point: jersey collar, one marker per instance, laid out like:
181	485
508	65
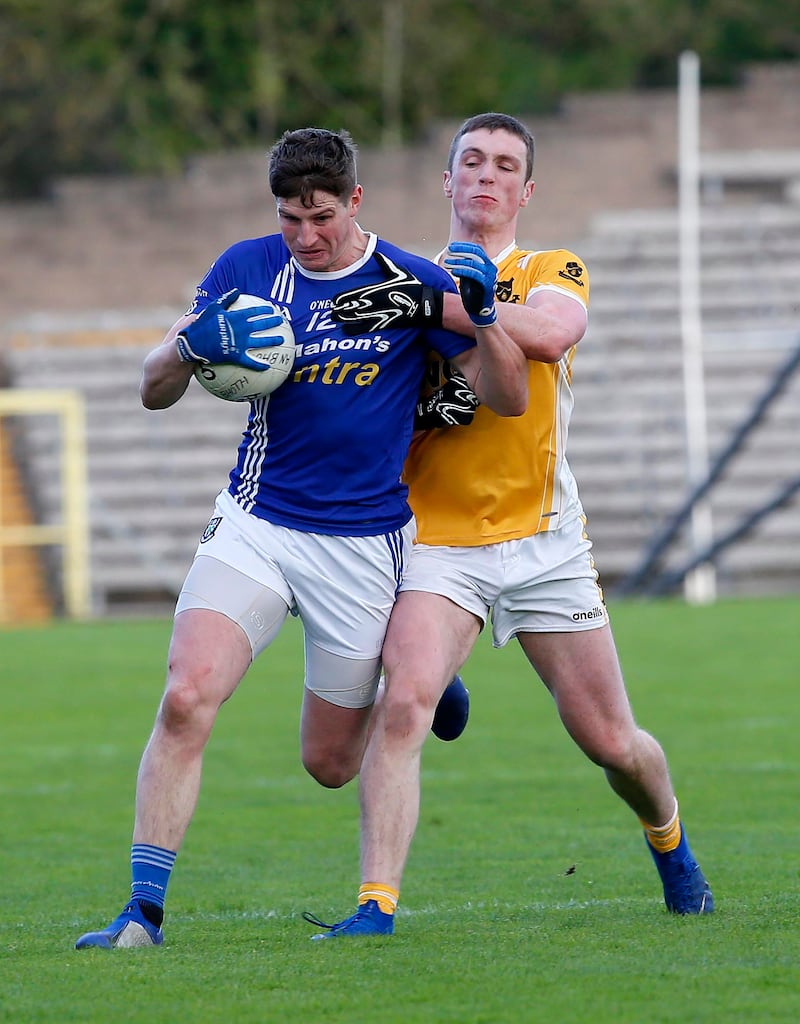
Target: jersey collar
332	275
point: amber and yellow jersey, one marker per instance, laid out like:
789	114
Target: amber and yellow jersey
502	478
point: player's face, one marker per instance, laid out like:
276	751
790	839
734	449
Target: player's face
487	185
323	236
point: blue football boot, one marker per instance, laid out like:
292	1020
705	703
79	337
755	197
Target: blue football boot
369	919
452	711
686	890
131	928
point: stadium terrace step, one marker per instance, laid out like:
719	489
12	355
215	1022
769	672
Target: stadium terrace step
626	439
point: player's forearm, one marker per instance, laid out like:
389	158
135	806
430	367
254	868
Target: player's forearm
502	381
497	371
165	376
539	334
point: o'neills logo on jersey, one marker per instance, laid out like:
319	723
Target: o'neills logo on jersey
598	612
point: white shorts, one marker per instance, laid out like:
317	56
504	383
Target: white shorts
546	583
342	589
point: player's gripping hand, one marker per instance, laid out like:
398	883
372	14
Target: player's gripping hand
477	275
451	405
399	299
223	335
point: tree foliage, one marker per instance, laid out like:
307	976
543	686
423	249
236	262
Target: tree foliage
140	85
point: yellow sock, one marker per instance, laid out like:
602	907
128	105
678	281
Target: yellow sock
384	895
664	838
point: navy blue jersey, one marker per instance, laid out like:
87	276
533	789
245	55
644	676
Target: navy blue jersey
325	451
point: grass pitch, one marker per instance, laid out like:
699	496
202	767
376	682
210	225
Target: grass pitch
529	895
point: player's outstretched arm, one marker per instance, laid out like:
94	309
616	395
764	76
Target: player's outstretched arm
544	328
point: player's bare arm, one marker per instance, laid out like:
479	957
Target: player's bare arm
165	376
496	368
544	328
496	371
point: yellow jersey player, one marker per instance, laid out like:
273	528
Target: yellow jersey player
453	474
501	532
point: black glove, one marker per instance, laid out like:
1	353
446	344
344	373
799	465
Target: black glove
400	299
451	405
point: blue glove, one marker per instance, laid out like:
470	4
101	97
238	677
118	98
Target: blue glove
223	335
476	277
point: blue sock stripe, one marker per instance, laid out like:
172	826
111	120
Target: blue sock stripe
151	867
156	856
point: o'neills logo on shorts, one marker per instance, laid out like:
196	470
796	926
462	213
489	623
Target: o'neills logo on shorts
211	529
598	612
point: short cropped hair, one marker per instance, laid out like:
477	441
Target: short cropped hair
492	121
307	159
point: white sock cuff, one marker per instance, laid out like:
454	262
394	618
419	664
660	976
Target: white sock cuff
670	824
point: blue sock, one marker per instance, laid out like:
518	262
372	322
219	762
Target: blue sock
151	867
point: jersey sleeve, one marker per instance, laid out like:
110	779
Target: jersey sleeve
562	271
229	270
213	285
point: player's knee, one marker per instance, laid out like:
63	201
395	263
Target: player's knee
187	702
408	709
179	710
615	752
331	768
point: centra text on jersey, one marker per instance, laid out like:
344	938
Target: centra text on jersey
335	371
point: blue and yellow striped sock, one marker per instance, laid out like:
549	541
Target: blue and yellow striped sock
664	838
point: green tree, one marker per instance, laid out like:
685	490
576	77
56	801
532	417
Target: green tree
140	85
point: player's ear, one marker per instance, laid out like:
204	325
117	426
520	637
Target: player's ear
527	192
448	191
355	200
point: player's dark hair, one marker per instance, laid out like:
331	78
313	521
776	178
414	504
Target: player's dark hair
492	121
309	159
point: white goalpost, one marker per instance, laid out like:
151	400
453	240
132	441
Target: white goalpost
700	584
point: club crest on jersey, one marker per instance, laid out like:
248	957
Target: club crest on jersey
572	272
504	290
211	529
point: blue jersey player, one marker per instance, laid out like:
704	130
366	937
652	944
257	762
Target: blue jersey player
314	520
